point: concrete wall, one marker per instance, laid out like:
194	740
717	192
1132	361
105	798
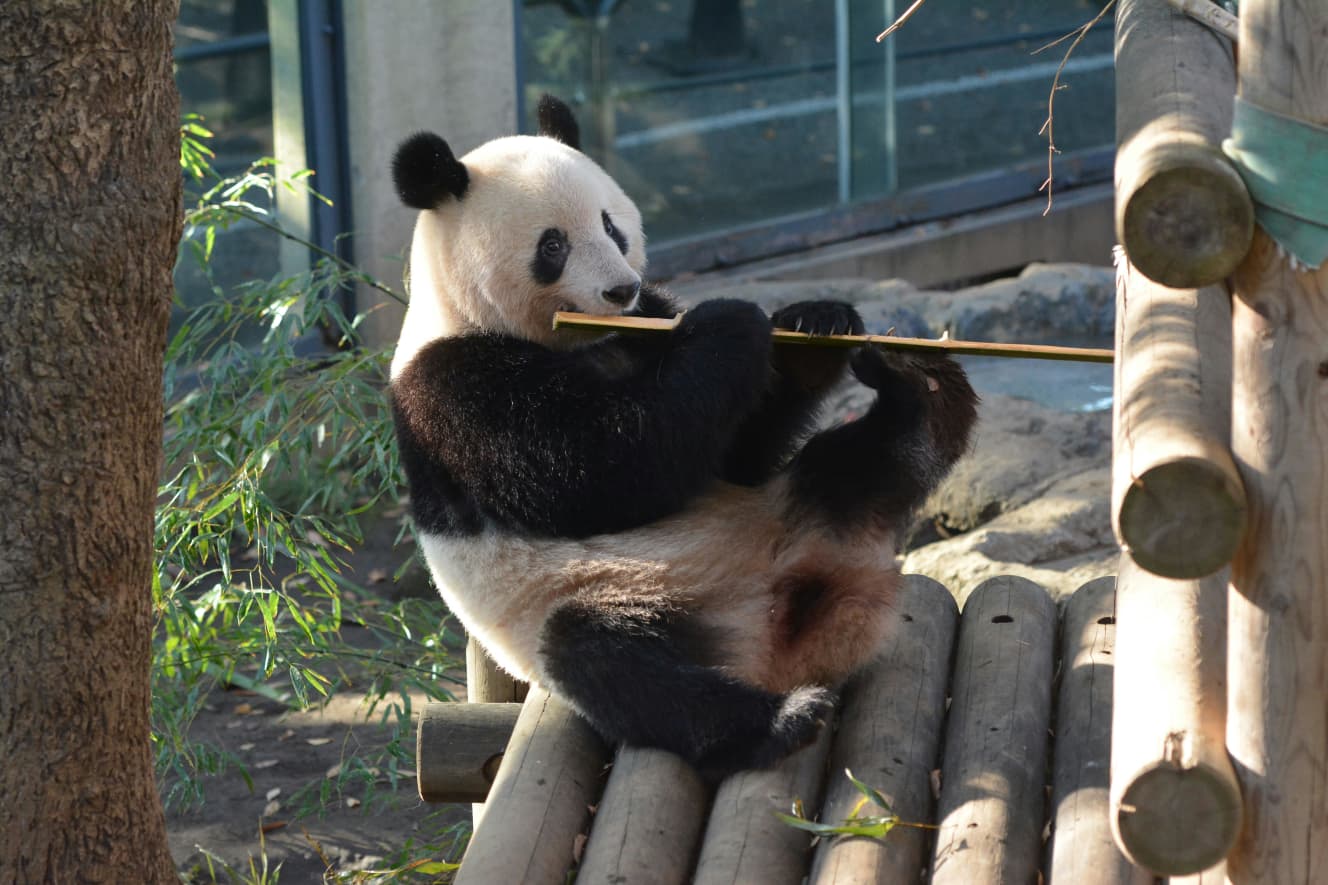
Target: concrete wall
444	65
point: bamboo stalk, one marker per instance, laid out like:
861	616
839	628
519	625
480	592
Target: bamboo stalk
563	320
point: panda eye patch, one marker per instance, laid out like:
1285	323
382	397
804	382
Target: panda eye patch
614	234
550	256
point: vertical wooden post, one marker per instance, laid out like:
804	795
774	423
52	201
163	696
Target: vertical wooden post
1277	727
487	684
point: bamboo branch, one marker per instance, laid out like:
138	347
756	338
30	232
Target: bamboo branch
564	320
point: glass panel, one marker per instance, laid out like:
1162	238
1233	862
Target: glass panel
224	75
711	113
969	95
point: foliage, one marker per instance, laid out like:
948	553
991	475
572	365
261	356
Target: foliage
276	447
871	826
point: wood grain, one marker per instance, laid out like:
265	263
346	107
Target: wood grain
1177	499
1277	730
1182	211
1175	802
1082	847
992	803
540	800
458	748
889	737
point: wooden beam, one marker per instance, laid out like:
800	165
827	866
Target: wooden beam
889	737
992	802
1182	211
648	825
1277	731
1082	847
540	801
1177	499
458	748
1175	803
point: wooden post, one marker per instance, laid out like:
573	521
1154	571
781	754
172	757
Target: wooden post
1175	804
485	682
540	800
648	825
1182	211
992	804
1177	499
1082	849
744	841
889	737
458	748
1277	730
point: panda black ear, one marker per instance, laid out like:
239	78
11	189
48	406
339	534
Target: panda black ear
425	171
556	121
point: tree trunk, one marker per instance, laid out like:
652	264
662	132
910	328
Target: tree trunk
89	218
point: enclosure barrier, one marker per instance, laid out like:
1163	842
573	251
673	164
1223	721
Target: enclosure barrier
982	800
1220	757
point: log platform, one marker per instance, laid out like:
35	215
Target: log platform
991	728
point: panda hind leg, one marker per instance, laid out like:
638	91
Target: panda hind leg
638	673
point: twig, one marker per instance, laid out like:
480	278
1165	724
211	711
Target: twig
562	320
1079	34
899	22
1209	13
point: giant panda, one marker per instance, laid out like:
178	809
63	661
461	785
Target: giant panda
645	525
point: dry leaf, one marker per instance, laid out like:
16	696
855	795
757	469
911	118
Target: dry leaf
271	808
242	709
271	825
246	747
333	772
377	575
266	763
318	742
352	802
578	847
273	793
286	735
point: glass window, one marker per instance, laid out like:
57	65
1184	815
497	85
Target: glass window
715	114
224	75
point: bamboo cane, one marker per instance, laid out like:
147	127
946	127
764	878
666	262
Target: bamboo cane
564	320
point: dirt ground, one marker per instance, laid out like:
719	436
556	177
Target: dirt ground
285	752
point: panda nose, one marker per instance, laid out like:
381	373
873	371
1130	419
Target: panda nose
622	295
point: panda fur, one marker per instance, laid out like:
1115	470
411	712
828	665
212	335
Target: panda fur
635	523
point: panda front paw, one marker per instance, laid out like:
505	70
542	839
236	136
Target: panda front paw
819	318
930	386
815	369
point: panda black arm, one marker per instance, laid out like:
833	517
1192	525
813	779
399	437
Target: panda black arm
594	440
803	376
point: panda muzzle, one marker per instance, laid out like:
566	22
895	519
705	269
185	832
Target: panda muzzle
623	295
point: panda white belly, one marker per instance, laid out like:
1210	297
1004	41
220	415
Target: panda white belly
503	588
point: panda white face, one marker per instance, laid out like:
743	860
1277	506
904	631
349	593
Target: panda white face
539	228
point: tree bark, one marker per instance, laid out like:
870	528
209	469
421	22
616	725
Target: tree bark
90	200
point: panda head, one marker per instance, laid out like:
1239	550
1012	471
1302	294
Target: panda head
515	230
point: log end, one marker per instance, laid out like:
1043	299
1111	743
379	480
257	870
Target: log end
1183	518
1178	820
1183	214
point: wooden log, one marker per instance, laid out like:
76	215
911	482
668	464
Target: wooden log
540	800
889	736
744	841
486	683
647	828
1182	211
1277	728
1082	848
1175	803
1177	499
1216	875
992	803
458	748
